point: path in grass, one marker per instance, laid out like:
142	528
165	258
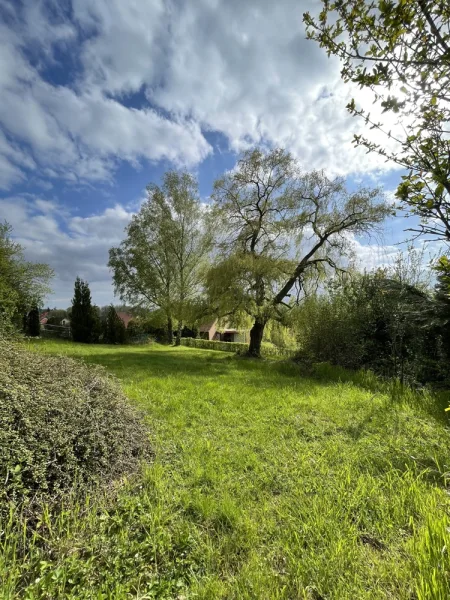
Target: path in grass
265	485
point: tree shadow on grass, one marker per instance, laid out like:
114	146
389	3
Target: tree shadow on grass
142	366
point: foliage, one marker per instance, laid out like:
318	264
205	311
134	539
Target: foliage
62	425
279	229
85	319
279	334
239	347
114	328
401	52
269	484
152	324
33	323
379	320
22	283
135	328
160	262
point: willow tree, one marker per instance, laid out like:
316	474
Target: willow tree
160	262
276	229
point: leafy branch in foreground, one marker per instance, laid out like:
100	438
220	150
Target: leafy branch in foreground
401	52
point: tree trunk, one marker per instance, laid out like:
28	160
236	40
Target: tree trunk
169	330
180	329
256	335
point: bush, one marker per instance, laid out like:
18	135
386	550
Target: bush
373	321
239	347
63	425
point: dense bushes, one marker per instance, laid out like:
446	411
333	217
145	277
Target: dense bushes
62	424
233	347
377	321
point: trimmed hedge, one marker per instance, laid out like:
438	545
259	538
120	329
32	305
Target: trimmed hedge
63	424
234	347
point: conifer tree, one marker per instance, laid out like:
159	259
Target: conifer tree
83	317
115	332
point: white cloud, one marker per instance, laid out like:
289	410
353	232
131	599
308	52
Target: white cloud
78	135
71	245
241	68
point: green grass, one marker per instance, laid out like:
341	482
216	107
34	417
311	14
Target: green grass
266	485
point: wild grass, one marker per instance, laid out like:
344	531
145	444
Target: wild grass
266	485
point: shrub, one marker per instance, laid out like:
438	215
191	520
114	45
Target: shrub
375	321
63	425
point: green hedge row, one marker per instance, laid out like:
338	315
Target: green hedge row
234	347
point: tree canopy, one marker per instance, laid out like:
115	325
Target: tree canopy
85	322
278	228
160	263
23	284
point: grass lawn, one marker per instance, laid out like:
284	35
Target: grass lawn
266	485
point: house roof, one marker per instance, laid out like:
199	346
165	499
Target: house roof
43	318
126	317
206	326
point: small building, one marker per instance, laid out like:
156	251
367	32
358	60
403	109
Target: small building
65	322
212	331
125	317
208	330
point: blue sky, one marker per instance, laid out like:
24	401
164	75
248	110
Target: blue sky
100	97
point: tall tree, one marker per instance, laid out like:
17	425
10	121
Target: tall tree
22	283
114	330
160	263
278	228
401	52
83	322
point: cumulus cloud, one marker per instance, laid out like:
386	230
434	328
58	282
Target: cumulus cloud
243	69
77	133
71	245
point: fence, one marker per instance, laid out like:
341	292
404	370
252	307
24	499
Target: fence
235	347
55	331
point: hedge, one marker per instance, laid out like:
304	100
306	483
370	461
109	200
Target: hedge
234	347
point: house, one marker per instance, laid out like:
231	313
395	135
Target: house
65	322
125	317
208	330
212	331
43	318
